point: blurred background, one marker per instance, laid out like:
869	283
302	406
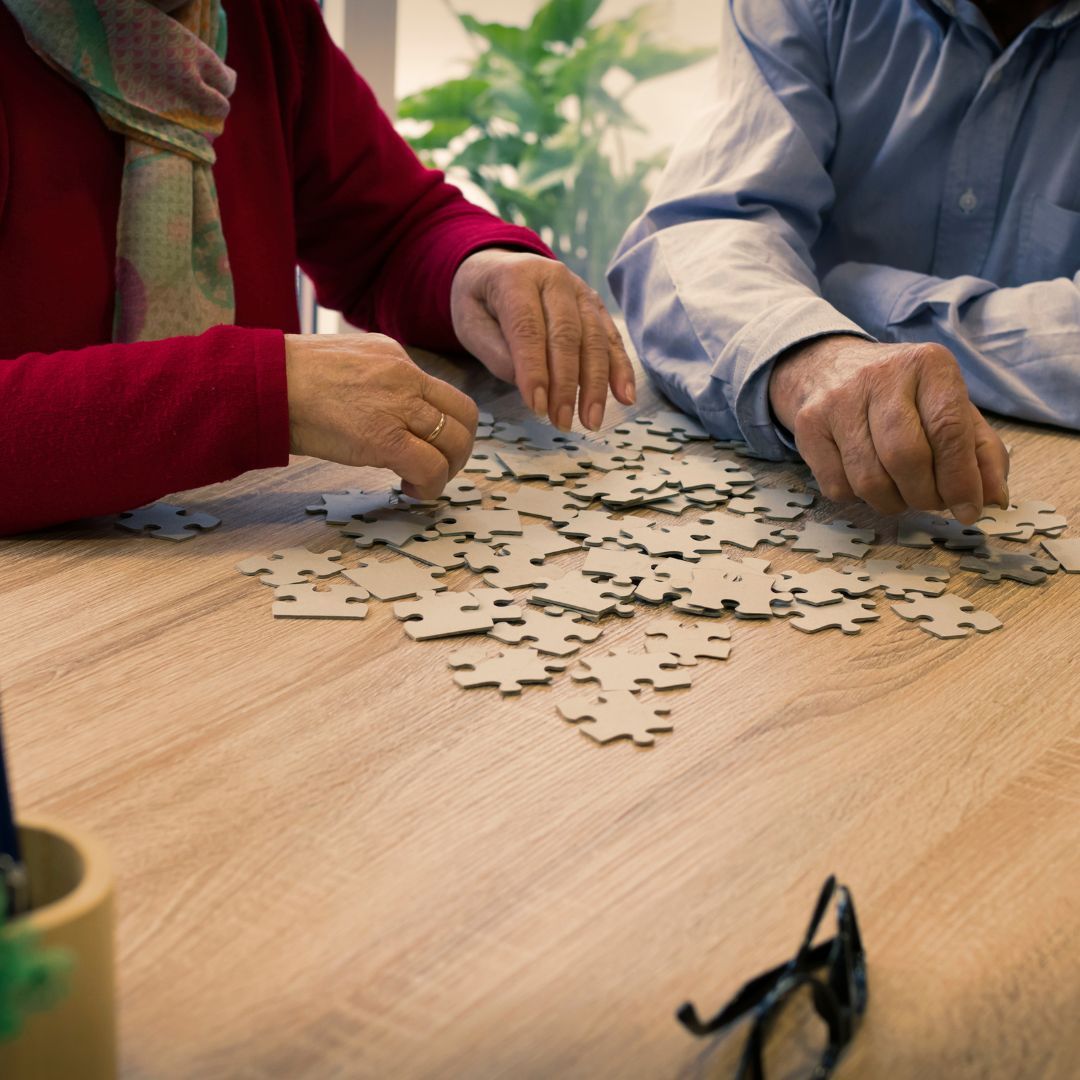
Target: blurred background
556	114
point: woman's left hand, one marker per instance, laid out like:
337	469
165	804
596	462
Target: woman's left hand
533	322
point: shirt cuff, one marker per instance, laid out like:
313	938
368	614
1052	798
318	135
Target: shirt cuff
869	294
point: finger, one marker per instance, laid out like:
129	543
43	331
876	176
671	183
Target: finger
488	343
595	363
946	417
445	432
520	317
452	401
867	476
818	449
424	471
563	351
993	461
897	431
621	367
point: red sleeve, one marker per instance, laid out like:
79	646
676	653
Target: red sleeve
109	428
380	235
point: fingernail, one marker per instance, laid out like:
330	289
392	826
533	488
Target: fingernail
566	417
596	415
966	513
1003	498
630	392
540	402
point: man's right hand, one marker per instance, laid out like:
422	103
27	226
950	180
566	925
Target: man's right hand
890	424
358	399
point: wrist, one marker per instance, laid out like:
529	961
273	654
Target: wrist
802	367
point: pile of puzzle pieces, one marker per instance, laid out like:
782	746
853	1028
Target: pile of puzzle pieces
711	560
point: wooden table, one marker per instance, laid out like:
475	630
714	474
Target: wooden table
332	862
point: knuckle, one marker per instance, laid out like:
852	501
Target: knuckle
565	336
948	430
871	485
905	457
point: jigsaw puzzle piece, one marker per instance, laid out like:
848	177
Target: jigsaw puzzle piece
898	581
946	616
624	670
554	466
548	630
509	670
827	539
1066	552
446	552
396	579
291	566
621	565
577	592
778	504
554	505
319	602
1021	521
826	586
618	714
163	521
688	641
846	614
448	614
1025	567
923	530
342	507
391	527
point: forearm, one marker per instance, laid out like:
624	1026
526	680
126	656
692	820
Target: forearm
111	427
1019	348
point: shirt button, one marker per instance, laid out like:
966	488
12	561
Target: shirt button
968	201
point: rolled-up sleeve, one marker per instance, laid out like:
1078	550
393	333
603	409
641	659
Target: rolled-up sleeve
716	278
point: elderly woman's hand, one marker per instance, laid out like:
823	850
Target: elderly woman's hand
533	322
359	400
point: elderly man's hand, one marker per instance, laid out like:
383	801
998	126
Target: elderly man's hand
890	424
360	400
531	321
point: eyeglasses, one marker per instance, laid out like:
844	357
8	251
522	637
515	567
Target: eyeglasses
839	998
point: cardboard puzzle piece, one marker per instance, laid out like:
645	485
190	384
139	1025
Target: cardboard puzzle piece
585	595
163	521
780	504
946	616
846	615
672	423
393	527
680	502
622	566
511	567
625	670
447	552
461	491
548	630
593	528
618	714
319	602
483	525
624	489
485	424
509	669
341	507
662	541
447	614
898	581
712	476
553	466
638	437
688	641
485	461
923	530
1025	567
553	504
604	456
545	541
291	566
740	531
533	433
396	579
827	539
826	586
1021	521
750	596
1066	552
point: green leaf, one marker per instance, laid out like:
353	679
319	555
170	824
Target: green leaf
513	42
440	134
448	101
650	61
562	20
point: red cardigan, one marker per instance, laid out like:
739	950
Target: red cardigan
309	171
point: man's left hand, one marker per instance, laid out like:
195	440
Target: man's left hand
531	321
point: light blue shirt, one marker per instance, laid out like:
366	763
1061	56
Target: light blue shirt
878	167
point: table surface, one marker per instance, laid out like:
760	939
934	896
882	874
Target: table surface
332	862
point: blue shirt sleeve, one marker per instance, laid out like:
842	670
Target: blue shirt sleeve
1019	347
716	278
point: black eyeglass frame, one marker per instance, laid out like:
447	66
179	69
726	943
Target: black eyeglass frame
839	999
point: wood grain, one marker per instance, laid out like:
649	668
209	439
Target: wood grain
333	863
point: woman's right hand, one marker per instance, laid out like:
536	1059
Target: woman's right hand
359	399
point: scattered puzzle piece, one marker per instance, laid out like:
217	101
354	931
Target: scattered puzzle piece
583	594
481	525
618	714
743	532
826	586
291	566
447	552
548	630
1067	552
640	438
829	539
341	507
553	504
396	579
461	491
898	581
1025	567
776	503
509	670
622	566
545	541
1021	521
319	602
750	596
624	489
846	614
946	616
674	424
511	567
448	614
485	461
165	522
594	527
554	466
535	434
923	530
393	527
624	670
688	641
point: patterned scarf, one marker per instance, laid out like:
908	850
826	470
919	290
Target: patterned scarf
155	72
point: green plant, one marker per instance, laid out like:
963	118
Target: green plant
538	125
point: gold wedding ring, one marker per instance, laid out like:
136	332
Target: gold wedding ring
438	428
